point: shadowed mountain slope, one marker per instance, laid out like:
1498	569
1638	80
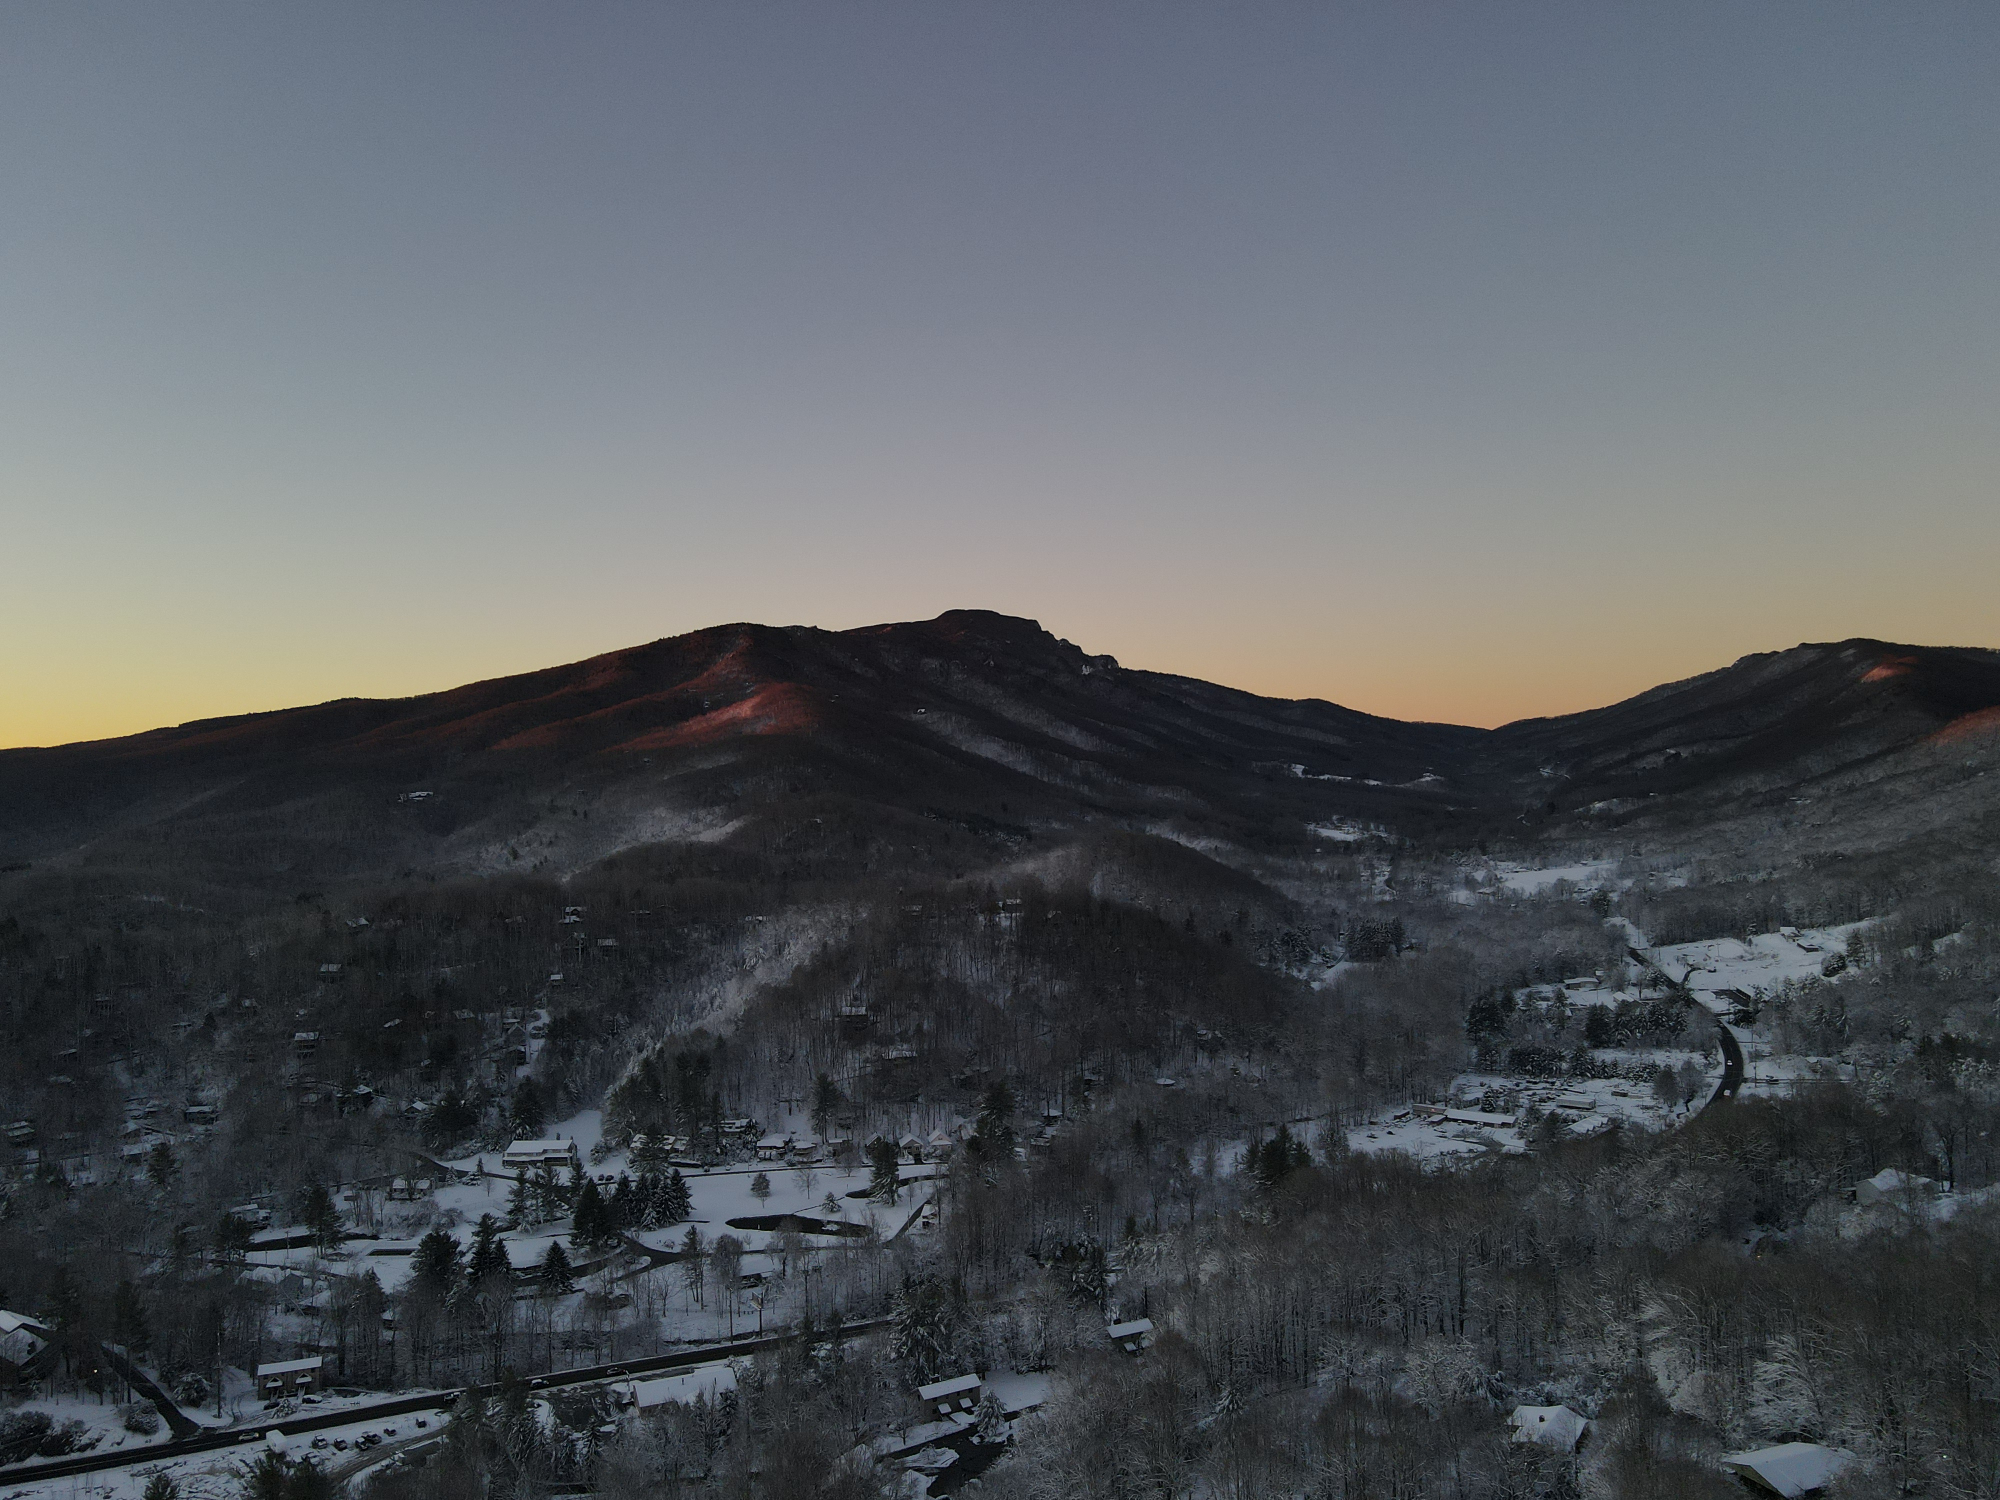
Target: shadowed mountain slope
985	723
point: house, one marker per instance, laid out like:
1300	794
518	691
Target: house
911	1148
526	1155
27	1347
1790	1468
960	1393
200	1114
21	1133
771	1147
853	1020
1554	1427
1892	1186
1132	1336
329	973
1452	1115
288	1377
304	1044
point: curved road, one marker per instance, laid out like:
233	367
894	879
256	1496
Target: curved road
1732	1050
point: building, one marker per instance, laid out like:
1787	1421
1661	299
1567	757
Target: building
527	1155
1789	1469
960	1393
288	1377
27	1348
1554	1427
771	1147
1892	1186
1132	1336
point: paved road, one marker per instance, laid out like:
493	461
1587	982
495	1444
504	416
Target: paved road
211	1439
1732	1051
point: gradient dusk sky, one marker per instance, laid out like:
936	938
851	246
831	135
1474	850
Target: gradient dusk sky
1447	361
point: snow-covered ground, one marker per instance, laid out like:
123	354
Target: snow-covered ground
718	1197
1754	965
219	1473
1532	881
104	1427
1584	1105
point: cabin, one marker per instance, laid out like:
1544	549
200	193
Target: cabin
1892	1186
771	1147
1789	1469
1132	1336
27	1348
1554	1427
288	1377
961	1393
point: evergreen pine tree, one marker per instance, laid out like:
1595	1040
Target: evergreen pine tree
694	1262
591	1225
884	1170
677	1202
489	1256
436	1267
128	1318
558	1279
826	1101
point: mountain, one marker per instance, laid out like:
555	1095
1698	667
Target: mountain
977	725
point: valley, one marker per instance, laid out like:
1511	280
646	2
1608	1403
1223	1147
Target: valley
849	1013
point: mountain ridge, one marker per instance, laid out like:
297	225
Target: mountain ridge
987	717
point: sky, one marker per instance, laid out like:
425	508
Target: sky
1449	361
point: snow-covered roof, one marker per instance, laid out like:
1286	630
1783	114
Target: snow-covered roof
537	1150
937	1390
290	1366
703	1380
13	1322
1552	1426
1890	1180
1137	1328
1790	1468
